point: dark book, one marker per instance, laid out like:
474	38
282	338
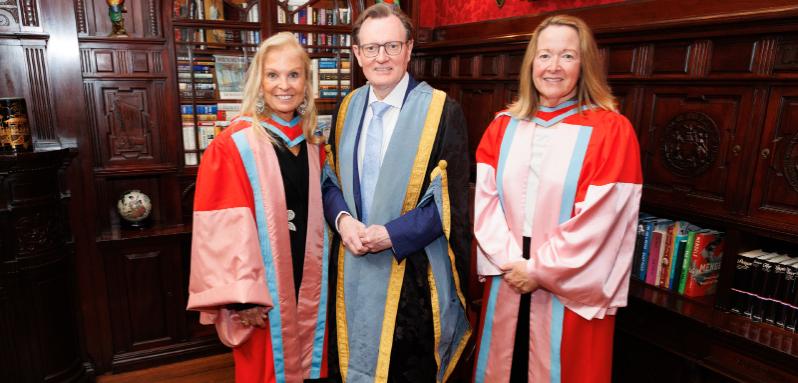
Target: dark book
645	256
759	284
740	296
790	302
775	290
637	257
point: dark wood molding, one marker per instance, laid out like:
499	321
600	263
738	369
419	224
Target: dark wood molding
653	16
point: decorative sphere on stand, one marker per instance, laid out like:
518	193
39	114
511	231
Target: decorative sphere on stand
134	207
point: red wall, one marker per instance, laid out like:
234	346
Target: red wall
436	13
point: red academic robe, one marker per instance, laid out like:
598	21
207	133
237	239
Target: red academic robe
582	240
241	254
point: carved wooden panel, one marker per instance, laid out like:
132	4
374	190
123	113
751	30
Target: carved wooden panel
621	59
444	66
689	144
480	102
670	58
133	61
465	66
143	287
787	55
489	65
733	56
127	119
629	103
512	66
19	16
775	193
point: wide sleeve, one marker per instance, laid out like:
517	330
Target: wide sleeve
226	265
495	243
586	260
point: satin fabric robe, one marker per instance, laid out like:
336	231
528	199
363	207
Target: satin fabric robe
582	241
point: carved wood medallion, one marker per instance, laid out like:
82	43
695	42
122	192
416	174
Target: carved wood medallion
690	144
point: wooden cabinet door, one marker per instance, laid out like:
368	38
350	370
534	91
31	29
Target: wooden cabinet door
774	192
691	141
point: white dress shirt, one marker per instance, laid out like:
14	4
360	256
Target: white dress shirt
541	141
389	119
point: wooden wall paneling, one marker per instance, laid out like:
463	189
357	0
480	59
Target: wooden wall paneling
512	64
629	103
145	281
733	56
466	66
670	58
775	187
480	101
29	78
786	61
622	60
686	145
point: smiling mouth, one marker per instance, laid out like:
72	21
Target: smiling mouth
284	98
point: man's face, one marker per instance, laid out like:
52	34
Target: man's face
383	71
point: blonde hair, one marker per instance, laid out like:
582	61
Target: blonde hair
252	87
591	89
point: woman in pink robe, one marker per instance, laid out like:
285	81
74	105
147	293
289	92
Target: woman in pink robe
259	248
557	197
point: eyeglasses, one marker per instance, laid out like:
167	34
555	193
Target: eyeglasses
392	48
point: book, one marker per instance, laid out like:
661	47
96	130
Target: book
766	287
756	281
741	282
772	307
644	260
687	259
230	72
790	302
657	242
665	257
705	264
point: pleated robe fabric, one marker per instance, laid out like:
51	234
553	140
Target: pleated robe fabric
241	254
582	241
369	287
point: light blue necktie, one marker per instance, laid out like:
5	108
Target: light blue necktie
372	158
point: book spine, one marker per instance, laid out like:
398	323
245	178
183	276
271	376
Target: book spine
646	248
687	262
653	258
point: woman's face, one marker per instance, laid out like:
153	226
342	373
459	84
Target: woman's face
556	68
283	82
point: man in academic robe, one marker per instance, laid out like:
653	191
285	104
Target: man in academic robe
396	192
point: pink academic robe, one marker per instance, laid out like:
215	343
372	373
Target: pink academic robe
241	254
582	241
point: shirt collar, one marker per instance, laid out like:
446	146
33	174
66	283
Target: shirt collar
397	95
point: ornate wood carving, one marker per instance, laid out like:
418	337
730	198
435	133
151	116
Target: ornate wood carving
43	122
787	58
699	56
80	17
39	231
791	162
690	144
30	14
153	17
9	15
128	116
98	60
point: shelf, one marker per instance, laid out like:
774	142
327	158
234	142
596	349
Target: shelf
703	311
343	29
123	234
215	24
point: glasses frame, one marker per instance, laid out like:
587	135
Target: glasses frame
382	46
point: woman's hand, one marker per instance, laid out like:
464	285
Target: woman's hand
516	276
255	316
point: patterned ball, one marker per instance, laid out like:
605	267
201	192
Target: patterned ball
134	206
